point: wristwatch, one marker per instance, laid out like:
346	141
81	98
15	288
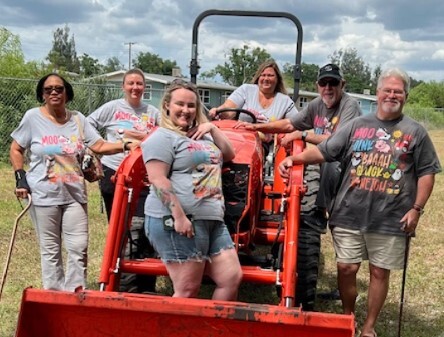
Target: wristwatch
304	135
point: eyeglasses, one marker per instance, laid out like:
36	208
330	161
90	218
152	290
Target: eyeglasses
58	89
332	82
389	92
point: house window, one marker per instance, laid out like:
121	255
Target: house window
147	92
204	96
226	95
303	101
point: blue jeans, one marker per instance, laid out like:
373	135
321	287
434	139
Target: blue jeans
211	237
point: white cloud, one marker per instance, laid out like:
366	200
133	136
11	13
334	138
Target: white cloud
383	33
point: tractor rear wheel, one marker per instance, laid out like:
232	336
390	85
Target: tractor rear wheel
309	242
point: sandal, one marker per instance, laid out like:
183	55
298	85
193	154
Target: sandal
370	334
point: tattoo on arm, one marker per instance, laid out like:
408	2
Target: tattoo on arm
166	196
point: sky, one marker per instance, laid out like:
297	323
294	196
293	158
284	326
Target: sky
409	35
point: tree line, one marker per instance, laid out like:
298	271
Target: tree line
239	67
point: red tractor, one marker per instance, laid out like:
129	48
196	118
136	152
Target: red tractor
261	211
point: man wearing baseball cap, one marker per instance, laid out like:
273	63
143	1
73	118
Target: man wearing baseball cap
324	115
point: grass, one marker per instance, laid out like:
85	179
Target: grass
424	298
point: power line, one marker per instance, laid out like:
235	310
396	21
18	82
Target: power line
129	52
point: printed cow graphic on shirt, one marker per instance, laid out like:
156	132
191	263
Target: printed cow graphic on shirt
62	155
378	159
207	159
128	121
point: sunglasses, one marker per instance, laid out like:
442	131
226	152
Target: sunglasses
332	82
58	89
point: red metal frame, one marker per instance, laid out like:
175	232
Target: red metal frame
107	312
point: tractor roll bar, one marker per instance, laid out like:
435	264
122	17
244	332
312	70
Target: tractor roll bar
194	66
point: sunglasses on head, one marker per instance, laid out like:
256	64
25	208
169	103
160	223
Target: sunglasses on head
58	89
333	82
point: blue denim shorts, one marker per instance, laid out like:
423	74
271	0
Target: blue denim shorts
211	237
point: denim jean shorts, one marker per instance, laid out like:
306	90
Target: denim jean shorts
211	237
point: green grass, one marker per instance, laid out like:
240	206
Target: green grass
424	297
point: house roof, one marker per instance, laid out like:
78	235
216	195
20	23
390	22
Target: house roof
167	79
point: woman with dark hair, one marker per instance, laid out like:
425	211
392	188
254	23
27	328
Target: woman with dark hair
51	135
185	207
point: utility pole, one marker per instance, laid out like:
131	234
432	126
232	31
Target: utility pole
129	53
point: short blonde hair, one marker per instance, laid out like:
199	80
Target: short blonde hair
165	114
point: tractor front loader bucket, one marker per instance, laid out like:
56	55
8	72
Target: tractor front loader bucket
47	313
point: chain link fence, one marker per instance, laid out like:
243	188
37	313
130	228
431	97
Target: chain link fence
18	95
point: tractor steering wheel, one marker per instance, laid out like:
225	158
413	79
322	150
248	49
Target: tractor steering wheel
238	111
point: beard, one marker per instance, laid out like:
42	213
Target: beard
391	107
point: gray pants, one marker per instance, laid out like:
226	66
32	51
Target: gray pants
52	223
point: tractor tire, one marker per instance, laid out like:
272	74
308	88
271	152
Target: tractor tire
309	250
311	180
309	246
137	247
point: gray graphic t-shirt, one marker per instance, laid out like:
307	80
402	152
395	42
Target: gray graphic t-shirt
382	162
54	175
116	116
195	174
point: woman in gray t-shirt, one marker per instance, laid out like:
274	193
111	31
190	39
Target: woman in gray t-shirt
185	208
51	135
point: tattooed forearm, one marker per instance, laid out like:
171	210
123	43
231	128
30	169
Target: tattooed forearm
166	196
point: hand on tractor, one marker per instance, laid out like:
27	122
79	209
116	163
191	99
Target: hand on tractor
245	125
284	167
212	114
288	138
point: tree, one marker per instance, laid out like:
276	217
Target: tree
63	55
428	95
89	66
12	59
308	77
153	63
356	72
242	65
112	64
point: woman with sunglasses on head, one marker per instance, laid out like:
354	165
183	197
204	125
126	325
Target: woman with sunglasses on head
50	134
185	208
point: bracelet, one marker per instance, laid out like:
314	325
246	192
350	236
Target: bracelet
418	208
304	135
125	146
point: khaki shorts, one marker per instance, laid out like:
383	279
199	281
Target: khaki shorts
381	250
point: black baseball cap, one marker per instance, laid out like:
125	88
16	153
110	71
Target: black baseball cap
330	70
